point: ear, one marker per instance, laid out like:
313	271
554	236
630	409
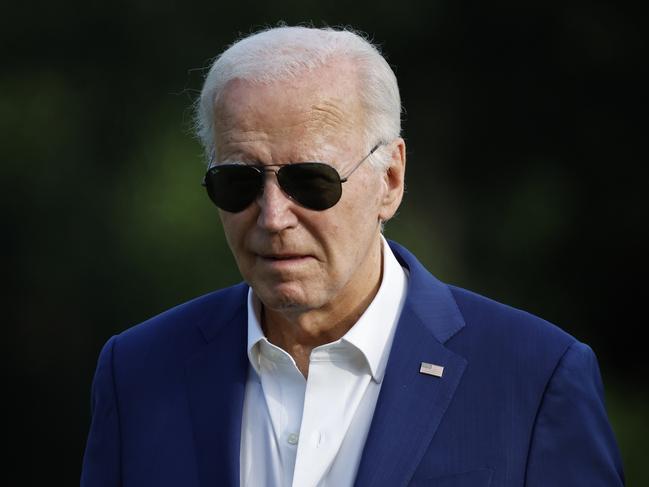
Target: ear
393	180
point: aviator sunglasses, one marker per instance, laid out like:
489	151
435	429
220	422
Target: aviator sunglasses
313	185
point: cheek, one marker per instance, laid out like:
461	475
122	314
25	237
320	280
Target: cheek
361	211
351	230
234	228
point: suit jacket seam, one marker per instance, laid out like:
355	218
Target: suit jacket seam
541	403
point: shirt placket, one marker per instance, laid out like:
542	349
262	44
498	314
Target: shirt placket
336	384
284	388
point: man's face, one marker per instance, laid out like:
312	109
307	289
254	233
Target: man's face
297	259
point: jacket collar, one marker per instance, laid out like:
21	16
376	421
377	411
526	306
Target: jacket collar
411	405
409	409
429	299
216	380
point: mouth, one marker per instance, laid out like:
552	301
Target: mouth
281	257
281	261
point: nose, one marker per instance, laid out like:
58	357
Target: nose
275	208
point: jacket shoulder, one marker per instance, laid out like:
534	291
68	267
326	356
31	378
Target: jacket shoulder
480	311
496	333
184	326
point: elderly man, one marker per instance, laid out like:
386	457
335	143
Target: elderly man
340	361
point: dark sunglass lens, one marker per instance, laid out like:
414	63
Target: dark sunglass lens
232	187
312	184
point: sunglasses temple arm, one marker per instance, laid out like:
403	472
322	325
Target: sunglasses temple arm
358	164
210	161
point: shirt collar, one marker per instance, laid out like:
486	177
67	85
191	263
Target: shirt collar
374	331
255	333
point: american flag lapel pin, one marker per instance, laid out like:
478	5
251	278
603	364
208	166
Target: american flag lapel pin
431	369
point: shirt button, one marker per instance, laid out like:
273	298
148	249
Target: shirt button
292	439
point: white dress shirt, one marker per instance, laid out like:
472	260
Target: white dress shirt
311	432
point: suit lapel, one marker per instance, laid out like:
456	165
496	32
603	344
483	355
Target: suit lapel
409	409
411	405
216	379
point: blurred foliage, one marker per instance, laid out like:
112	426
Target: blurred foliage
627	408
526	136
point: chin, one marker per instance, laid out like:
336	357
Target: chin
284	297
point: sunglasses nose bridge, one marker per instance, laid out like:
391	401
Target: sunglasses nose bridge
275	205
267	179
266	172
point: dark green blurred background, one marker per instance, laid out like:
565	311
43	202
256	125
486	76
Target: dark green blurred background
526	132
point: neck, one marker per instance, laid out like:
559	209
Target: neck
300	332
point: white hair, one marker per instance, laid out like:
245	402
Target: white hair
282	53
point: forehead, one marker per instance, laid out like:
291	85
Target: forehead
315	108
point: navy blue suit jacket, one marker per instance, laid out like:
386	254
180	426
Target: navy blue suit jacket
520	402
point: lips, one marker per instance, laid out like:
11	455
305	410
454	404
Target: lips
283	256
284	260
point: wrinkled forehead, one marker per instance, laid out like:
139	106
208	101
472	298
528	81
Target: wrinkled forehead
316	107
